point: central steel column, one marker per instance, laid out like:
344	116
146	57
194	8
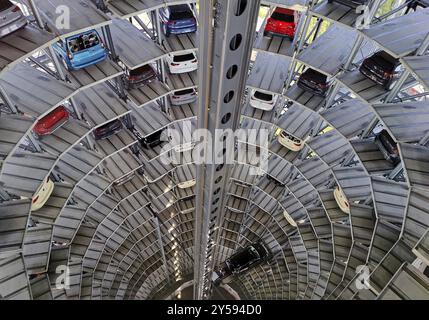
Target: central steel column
226	35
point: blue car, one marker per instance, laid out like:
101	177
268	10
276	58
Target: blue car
81	51
178	19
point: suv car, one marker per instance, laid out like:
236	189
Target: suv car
182	63
314	82
178	19
139	77
387	146
381	68
247	258
185	96
282	23
81	50
155	139
11	18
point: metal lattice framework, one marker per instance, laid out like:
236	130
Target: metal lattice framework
144	238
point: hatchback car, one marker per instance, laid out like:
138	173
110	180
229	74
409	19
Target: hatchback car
381	68
81	51
52	121
42	195
155	139
314	82
350	3
182	63
178	19
341	200
108	130
289	141
387	146
282	23
187	184
139	77
247	258
11	18
181	97
262	100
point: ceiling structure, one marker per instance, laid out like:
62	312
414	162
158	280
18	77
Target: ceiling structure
145	238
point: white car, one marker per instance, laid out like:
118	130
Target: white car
341	200
187	184
181	97
182	62
262	100
42	195
11	18
289	219
289	141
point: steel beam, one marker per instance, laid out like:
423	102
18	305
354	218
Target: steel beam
225	45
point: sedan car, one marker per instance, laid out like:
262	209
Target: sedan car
341	200
282	23
181	97
262	100
81	50
11	18
155	139
178	19
387	146
247	258
182	63
52	121
289	141
42	195
314	82
381	68
139	77
108	130
187	184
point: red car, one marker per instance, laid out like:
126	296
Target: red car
282	23
52	121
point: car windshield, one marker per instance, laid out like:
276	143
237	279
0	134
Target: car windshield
183	92
283	17
384	60
181	14
5	5
263	96
184	57
315	76
83	42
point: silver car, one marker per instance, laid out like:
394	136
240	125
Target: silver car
11	18
182	97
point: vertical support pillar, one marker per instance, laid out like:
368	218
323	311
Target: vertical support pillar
226	38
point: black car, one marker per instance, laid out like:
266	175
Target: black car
108	129
155	139
387	146
380	67
139	77
350	3
247	258
314	82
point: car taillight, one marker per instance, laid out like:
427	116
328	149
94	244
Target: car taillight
194	61
388	74
297	144
194	94
16	9
175	97
132	78
69	55
171	22
175	64
35	199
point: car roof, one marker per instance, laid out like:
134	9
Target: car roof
284	10
179	8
